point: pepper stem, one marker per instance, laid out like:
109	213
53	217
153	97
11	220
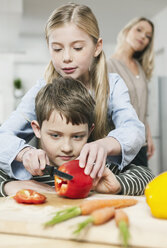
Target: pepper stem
64	215
124	232
83	224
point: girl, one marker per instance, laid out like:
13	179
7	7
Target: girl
75	47
133	60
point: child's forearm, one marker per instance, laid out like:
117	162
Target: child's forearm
20	155
133	179
12	187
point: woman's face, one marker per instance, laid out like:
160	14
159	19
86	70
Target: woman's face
139	36
72	51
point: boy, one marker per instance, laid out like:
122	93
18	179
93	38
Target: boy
65	121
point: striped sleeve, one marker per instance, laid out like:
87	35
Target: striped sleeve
133	179
4	178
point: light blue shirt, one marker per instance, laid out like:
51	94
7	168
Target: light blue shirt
16	132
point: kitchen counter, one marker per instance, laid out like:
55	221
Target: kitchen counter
22	226
18	241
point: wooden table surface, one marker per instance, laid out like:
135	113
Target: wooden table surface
21	226
19	241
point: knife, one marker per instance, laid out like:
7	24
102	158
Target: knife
53	171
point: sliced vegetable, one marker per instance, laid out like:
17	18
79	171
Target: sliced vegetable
156	196
78	187
122	221
98	217
87	207
29	196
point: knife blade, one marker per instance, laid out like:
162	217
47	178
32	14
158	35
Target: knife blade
53	171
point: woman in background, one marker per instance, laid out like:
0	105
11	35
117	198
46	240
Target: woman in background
133	61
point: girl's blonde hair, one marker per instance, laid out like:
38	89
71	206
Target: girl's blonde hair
145	57
84	19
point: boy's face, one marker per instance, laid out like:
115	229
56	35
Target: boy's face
62	142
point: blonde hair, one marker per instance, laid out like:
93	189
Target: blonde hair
84	19
145	57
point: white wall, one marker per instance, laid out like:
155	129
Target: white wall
6	93
108	49
160	22
28	64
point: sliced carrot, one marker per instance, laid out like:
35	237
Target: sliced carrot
122	221
87	207
98	217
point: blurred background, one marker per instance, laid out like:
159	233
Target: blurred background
24	54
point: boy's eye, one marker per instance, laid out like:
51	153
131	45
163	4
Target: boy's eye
55	135
78	137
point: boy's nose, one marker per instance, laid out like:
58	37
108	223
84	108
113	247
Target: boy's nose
66	146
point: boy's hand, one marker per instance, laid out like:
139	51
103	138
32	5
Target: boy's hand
34	161
12	187
108	183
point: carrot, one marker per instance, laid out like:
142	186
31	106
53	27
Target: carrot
122	221
98	217
87	207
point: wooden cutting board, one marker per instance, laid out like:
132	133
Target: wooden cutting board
145	230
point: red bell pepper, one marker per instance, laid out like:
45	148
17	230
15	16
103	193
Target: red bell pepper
29	196
79	186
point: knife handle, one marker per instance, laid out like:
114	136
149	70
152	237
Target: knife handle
49	169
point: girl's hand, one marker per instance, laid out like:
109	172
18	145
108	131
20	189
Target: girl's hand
34	161
108	183
93	157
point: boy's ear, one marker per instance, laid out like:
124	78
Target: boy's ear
36	128
99	47
91	129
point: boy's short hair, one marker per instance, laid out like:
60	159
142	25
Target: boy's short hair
67	96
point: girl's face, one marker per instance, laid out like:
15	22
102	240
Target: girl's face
139	36
72	51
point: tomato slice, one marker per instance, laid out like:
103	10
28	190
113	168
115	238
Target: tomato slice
29	196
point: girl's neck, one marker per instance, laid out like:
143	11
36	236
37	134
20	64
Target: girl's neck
86	80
